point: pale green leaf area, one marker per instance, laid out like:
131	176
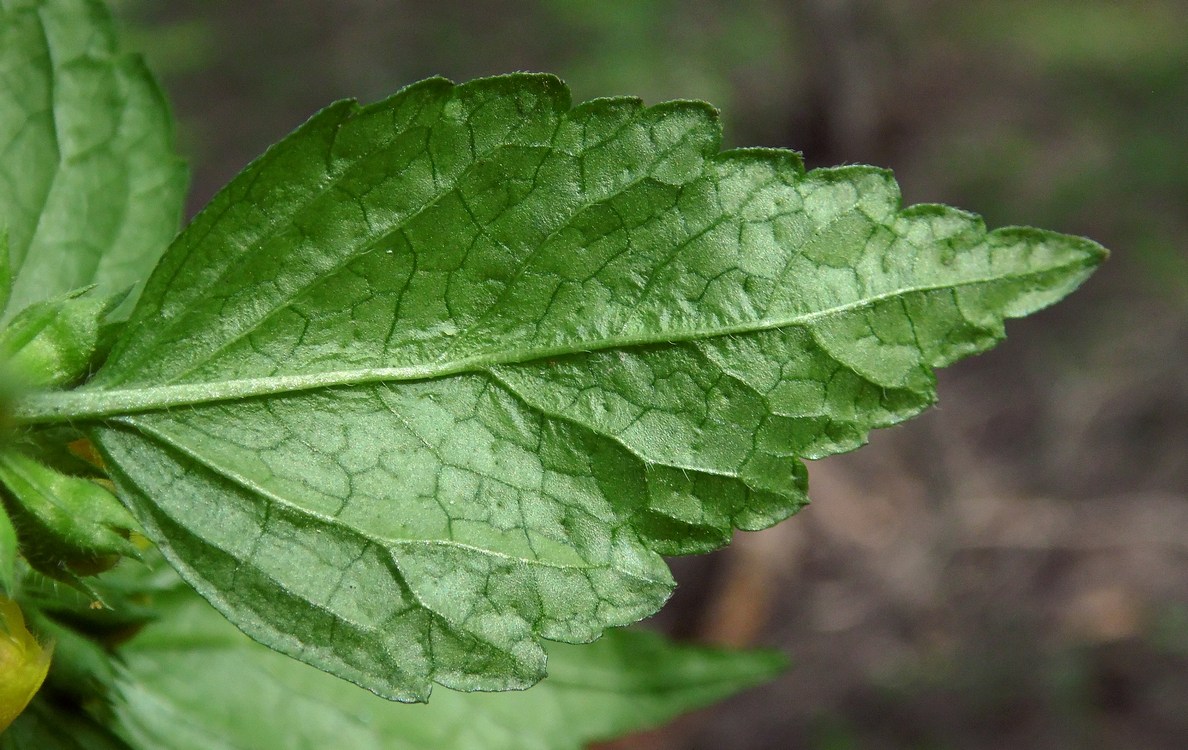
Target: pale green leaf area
443	376
193	682
90	188
5	268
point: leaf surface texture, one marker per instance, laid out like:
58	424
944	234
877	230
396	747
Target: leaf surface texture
90	188
440	377
191	681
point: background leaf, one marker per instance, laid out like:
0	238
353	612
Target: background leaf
5	268
90	187
45	726
8	554
193	681
23	663
458	367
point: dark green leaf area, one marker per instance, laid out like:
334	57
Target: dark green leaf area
47	725
124	591
191	682
82	669
8	554
439	377
90	187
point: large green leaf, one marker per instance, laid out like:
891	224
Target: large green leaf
439	377
90	187
191	681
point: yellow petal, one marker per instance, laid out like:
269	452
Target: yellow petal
23	663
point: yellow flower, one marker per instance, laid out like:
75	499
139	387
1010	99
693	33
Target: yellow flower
23	663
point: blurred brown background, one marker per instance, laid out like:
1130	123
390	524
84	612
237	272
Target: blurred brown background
1009	570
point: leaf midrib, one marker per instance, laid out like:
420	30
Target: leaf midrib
83	405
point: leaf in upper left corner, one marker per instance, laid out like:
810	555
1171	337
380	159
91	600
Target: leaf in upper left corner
91	188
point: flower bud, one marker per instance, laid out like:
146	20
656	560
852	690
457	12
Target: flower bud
23	663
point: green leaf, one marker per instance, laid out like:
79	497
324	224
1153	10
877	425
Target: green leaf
191	681
440	377
47	726
90	188
8	554
63	520
5	269
82	668
55	342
